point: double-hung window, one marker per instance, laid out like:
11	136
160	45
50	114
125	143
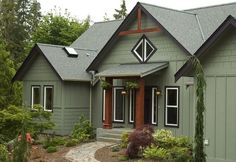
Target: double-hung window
118	104
172	106
131	105
48	98
35	95
154	106
103	104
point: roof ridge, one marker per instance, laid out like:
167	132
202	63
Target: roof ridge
107	21
62	46
182	11
211	6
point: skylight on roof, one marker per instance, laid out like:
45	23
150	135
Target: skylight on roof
71	52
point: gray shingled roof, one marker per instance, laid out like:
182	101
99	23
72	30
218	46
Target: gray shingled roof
139	70
97	35
183	26
68	68
212	17
190	28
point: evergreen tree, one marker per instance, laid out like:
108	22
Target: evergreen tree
199	154
18	20
121	13
59	29
9	93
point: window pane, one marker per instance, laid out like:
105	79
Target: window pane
119	111
172	97
171	115
139	50
36	97
149	49
154	106
49	98
132	105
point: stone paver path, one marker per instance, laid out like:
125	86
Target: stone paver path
85	152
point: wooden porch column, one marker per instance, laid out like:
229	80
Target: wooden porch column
139	112
107	124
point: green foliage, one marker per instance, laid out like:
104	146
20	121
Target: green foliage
154	152
199	154
105	84
12	119
52	140
115	148
123	158
21	150
51	149
170	148
9	93
131	85
122	12
21	18
124	140
83	131
71	142
60	29
3	153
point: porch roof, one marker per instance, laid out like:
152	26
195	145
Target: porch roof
133	70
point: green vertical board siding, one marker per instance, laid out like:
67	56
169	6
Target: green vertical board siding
167	50
40	73
97	106
220	100
76	103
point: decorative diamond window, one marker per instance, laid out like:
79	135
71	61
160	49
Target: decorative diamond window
144	49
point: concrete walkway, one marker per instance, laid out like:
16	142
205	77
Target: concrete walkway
85	152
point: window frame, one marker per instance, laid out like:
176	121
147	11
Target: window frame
154	89
114	104
131	93
44	97
103	105
32	95
144	41
171	106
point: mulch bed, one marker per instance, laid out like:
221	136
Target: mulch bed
105	154
39	154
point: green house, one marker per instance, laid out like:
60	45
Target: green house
143	61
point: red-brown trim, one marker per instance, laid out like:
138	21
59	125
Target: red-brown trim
139	110
107	124
139	31
139	19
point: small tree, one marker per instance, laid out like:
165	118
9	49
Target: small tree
121	13
199	154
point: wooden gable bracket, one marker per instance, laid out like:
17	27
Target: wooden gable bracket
139	27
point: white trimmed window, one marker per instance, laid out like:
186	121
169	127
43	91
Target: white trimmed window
103	104
35	95
118	104
172	106
131	105
48	98
144	49
154	106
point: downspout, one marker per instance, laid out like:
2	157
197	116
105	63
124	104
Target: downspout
91	95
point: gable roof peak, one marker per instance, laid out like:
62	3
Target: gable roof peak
166	8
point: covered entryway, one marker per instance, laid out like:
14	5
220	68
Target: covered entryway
136	72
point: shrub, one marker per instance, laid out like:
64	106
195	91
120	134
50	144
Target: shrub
154	152
83	131
170	148
71	142
52	140
3	153
138	140
124	140
51	149
115	148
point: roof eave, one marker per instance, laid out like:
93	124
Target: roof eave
185	70
28	61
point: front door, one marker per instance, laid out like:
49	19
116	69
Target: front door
150	105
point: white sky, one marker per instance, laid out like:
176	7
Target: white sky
97	8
